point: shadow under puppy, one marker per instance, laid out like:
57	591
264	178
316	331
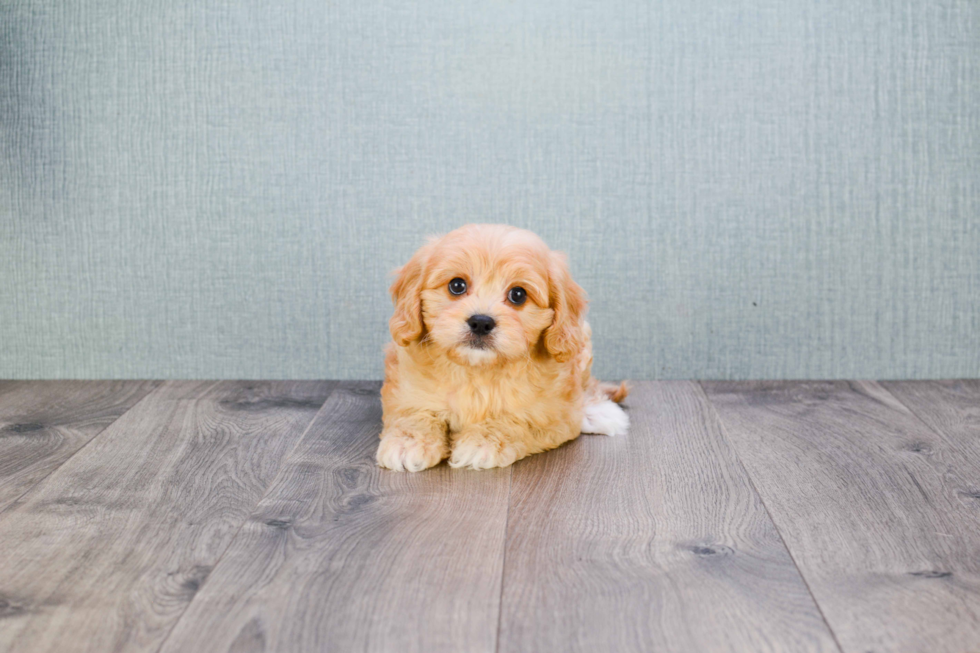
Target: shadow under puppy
492	356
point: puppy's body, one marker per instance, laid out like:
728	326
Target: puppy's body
522	385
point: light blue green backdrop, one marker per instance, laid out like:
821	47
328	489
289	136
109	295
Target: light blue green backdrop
761	188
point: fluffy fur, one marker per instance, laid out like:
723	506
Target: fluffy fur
528	389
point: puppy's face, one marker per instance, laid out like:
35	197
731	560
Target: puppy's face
487	294
480	306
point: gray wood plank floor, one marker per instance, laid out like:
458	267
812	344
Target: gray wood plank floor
651	542
110	549
343	556
42	423
249	516
866	498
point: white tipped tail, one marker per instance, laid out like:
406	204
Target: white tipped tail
605	418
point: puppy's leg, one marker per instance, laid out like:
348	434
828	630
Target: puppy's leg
498	443
413	443
487	444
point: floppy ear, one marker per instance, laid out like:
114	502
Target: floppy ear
564	338
406	322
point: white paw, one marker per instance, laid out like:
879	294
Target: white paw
605	418
481	454
403	453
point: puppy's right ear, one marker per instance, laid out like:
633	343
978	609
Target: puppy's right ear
406	293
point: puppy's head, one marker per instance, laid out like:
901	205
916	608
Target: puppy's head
486	294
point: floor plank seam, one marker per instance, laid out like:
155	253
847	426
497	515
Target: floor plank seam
748	476
941	435
16	502
238	531
503	561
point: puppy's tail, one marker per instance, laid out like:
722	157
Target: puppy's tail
615	392
601	414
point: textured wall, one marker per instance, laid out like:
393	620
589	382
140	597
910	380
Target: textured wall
764	188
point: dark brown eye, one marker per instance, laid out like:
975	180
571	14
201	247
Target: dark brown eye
457	286
517	296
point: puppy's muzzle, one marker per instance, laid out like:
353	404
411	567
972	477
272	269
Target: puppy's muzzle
481	325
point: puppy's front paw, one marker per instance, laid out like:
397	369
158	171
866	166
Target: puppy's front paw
402	452
477	452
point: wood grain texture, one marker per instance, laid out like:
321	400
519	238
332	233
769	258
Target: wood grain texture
107	553
951	408
42	423
651	542
869	502
341	555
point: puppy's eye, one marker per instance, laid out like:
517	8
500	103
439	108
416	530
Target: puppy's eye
517	296
457	286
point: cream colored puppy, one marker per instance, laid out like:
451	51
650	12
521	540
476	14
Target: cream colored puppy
492	356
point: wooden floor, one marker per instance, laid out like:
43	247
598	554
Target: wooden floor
249	516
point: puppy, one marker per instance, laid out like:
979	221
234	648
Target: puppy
492	356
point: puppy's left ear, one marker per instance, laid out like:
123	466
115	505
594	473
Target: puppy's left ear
406	292
564	338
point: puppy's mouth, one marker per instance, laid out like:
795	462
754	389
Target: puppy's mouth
481	343
475	351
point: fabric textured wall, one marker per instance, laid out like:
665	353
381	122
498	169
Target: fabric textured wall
746	188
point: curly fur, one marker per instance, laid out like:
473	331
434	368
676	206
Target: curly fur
529	391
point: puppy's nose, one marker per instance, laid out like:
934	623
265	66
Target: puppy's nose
481	325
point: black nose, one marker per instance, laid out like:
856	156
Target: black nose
481	325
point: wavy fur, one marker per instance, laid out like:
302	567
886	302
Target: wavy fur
528	392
